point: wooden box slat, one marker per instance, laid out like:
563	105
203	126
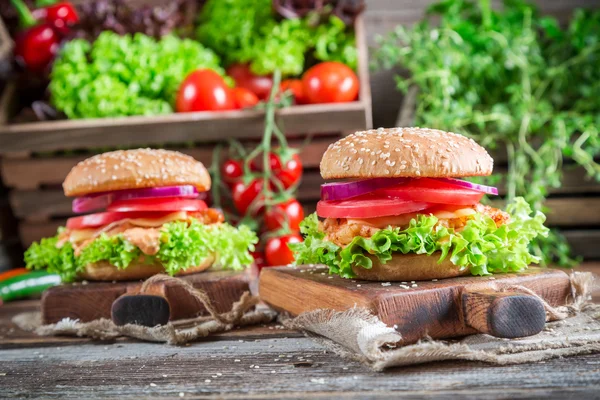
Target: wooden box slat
30	173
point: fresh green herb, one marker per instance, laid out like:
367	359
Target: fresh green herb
247	31
510	79
182	245
480	246
124	75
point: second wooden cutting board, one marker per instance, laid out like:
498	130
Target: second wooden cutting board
439	309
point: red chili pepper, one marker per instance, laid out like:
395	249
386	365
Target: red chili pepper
37	44
62	16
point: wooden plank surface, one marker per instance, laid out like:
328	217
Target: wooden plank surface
273	369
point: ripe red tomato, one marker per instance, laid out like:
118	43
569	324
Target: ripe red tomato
244	195
260	85
277	251
204	90
259	259
105	218
330	82
431	191
289	213
295	86
287	174
157	204
290	173
367	206
244	98
232	170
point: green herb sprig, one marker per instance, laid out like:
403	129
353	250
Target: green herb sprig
511	79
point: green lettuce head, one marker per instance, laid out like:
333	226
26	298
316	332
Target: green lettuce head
480	246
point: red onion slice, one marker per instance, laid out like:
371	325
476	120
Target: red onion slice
470	185
102	200
345	190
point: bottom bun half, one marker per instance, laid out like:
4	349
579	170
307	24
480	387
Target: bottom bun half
410	267
104	271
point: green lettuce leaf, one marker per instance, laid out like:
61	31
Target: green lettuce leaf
480	245
182	245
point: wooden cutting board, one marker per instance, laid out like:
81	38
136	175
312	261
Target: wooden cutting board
441	309
87	302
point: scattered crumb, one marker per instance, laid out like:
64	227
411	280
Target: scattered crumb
412	282
345	368
358	285
405	286
219	374
414	285
434	280
2	373
320	381
165	375
386	284
273	372
152	384
207	381
181	394
236	360
491	278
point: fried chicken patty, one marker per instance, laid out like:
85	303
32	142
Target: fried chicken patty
342	231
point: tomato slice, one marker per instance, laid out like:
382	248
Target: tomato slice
157	204
431	191
367	207
105	218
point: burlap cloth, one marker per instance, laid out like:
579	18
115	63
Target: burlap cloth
177	332
358	335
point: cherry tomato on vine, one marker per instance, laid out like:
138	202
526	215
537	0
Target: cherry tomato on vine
290	173
204	90
259	259
289	213
244	195
294	86
287	174
260	85
277	251
244	98
232	170
330	82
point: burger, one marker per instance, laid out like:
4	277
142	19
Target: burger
397	211
143	215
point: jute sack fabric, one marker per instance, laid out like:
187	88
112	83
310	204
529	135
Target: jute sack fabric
175	332
356	334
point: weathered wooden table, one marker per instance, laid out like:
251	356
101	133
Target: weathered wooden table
259	362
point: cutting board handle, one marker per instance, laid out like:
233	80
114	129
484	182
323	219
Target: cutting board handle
503	314
147	307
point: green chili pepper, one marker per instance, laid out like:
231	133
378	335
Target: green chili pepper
27	285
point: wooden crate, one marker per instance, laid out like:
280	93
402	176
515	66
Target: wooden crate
198	127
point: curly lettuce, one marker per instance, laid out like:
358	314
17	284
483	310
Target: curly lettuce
480	246
182	245
124	75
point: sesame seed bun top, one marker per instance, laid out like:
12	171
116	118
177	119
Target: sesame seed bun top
135	169
405	152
